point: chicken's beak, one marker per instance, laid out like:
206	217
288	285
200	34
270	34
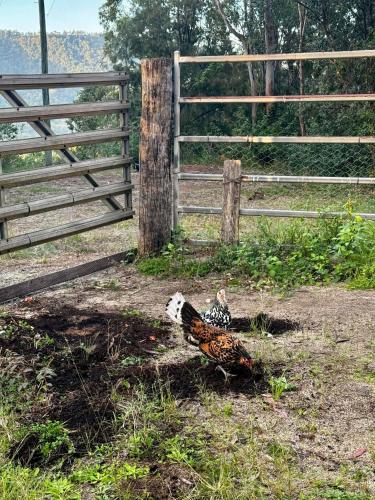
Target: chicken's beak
249	363
221	296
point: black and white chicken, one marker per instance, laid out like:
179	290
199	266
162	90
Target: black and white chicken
218	315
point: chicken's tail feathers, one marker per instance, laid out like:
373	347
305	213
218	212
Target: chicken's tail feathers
174	306
180	311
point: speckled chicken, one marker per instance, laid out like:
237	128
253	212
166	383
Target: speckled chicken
215	343
218	314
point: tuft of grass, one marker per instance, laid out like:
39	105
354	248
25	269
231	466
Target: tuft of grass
132	313
279	385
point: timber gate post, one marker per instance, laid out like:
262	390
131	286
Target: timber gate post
231	201
155	190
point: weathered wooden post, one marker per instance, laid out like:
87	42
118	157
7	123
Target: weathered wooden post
231	201
155	190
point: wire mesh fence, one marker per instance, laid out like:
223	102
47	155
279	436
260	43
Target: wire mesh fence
352	160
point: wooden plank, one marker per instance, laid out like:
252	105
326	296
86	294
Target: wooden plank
293	56
231	202
29	287
295	179
278	139
48	204
60	172
279	98
60	141
270	212
55	233
37	81
155	186
54	111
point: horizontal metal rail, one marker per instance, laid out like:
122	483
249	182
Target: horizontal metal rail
278	98
252	139
55	233
270	212
21	210
295	179
61	171
60	141
56	111
61	80
295	56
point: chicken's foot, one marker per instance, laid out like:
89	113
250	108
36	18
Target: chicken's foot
227	375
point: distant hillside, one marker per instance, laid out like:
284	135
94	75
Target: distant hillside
67	53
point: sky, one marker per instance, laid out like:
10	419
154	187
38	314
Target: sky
62	15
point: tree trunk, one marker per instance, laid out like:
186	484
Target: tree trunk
253	90
302	24
155	190
270	37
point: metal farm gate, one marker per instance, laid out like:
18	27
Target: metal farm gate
180	139
38	117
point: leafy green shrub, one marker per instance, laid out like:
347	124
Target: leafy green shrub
51	438
285	255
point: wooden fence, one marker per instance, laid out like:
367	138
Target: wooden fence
180	138
37	117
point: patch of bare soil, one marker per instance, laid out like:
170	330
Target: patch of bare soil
83	356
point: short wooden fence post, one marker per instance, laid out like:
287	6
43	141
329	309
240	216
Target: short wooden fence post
231	201
155	190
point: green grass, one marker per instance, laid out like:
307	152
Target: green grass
219	456
285	255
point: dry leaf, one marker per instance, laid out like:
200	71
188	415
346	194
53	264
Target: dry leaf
358	453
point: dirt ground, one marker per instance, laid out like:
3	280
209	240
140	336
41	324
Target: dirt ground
323	339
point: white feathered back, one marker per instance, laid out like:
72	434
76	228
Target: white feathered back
173	308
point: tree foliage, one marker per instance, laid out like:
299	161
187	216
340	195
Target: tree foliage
149	28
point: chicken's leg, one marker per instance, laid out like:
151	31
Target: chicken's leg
226	374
